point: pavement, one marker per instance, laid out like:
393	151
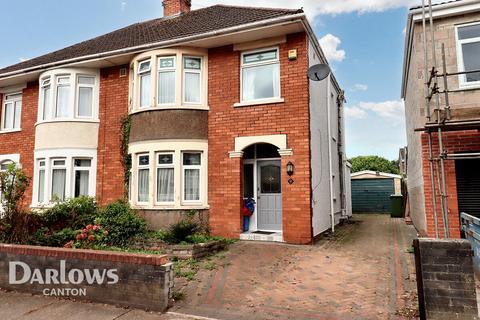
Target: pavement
363	271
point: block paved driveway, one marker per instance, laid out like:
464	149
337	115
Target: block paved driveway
362	272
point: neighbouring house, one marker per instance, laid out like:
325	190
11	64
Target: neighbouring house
219	109
371	191
457	28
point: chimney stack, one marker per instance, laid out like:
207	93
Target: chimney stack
175	7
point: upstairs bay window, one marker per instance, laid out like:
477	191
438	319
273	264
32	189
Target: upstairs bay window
260	75
11	112
468	51
68	94
169	78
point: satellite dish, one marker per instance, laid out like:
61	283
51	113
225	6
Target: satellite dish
318	72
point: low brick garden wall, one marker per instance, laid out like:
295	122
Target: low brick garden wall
130	280
181	251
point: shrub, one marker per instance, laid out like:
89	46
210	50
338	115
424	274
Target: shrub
90	237
179	231
74	213
121	223
45	237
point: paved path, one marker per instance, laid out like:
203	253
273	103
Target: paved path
362	272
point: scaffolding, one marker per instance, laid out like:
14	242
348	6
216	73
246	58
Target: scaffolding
439	120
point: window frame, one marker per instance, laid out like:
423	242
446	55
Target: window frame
462	78
140	74
43	168
244	65
77	168
157	79
79	85
184	82
13	101
164	166
137	169
53	167
183	176
46	114
59	85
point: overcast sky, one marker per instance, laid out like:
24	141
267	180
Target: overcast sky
363	40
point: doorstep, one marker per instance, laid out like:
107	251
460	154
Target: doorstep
253	236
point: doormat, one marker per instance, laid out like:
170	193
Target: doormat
263	232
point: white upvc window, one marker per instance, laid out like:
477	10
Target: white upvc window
59	179
3	167
85	92
46	98
11	112
41	184
143	178
81	176
468	53
165	178
191	169
192	80
260	75
62	101
144	76
166	88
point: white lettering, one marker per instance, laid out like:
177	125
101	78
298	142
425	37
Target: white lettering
12	272
71	276
112	274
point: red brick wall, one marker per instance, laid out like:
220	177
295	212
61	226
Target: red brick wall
172	7
454	142
23	142
226	122
112	109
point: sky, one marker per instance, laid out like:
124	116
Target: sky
363	40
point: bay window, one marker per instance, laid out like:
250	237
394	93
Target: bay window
166	80
11	112
165	178
41	181
81	168
59	175
145	81
143	177
192	69
260	73
191	176
468	51
69	94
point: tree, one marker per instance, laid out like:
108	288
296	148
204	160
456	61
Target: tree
374	163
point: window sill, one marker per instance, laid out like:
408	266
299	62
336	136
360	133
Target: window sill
258	102
68	120
172	107
170	207
462	88
10	131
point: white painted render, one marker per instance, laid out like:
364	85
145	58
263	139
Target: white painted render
66	134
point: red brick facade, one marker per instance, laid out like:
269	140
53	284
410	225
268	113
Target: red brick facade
454	142
23	142
173	7
227	122
113	108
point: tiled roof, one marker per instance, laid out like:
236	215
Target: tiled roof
193	23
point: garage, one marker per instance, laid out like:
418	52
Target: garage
371	191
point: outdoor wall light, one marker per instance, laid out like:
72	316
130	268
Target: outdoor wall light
290	168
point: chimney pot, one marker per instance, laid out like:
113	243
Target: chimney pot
175	7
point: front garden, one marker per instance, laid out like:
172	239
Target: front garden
82	223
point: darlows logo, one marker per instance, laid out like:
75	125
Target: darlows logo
21	273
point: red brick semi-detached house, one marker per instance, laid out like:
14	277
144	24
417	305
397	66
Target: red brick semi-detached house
221	110
457	27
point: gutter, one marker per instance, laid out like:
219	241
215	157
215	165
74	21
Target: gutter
330	165
131	50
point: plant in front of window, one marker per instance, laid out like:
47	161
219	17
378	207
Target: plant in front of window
15	224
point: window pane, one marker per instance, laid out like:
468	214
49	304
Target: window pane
46	103
165	159
145	90
18	112
266	150
260	82
143	185
191	159
85	101
270	179
8	114
83	162
144	66
260	56
192	184
192	87
248	181
469	32
63	93
192	63
81	183
165	63
143	160
166	87
165	185
58	184
13	96
58	162
41	185
86	80
471	52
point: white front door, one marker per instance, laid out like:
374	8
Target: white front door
269	195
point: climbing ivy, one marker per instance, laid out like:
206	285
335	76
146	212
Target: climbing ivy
127	158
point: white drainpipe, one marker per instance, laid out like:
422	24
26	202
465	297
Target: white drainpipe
329	115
